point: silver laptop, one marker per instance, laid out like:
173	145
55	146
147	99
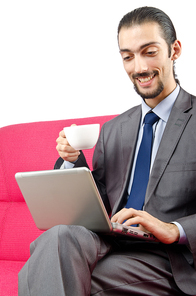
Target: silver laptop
69	197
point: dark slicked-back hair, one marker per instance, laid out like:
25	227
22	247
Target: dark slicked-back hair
148	14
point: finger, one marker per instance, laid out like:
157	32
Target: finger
140	217
62	141
65	150
71	158
62	138
62	134
68	156
64	146
127	214
131	221
117	215
123	215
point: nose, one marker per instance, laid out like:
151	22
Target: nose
140	64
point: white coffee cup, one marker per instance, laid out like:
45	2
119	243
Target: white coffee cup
82	137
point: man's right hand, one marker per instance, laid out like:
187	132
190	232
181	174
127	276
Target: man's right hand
64	149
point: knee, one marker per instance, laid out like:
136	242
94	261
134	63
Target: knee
61	232
73	234
64	236
45	240
78	238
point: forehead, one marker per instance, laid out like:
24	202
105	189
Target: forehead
134	37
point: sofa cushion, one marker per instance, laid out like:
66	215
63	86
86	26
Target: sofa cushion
18	231
9	277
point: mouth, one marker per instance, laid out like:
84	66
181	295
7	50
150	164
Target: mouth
145	79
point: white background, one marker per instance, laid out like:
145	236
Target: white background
59	58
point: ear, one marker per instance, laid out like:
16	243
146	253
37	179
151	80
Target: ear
176	50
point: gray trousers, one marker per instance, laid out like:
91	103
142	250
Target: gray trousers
72	261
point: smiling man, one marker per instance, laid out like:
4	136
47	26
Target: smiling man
144	166
149	60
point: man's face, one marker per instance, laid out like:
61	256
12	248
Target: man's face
146	60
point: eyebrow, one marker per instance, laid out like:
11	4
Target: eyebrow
140	48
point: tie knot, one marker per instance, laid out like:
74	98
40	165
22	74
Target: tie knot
151	118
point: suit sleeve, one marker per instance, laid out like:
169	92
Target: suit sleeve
188	223
99	170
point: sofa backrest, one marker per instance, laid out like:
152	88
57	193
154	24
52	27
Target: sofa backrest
27	147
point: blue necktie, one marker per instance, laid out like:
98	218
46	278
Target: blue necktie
142	167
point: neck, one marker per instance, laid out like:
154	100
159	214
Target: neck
152	103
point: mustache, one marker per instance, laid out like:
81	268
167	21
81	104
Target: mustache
145	74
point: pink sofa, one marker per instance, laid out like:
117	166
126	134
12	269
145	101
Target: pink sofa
25	147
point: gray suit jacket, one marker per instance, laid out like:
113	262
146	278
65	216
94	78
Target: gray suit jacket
171	191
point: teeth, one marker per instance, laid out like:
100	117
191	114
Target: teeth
146	79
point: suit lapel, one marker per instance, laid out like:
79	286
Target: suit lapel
175	126
129	132
129	135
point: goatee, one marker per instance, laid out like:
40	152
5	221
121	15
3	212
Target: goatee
148	95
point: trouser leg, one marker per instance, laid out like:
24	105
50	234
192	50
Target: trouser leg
61	262
140	271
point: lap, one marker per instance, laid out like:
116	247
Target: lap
133	269
140	271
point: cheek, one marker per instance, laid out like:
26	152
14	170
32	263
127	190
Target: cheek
154	63
128	68
161	64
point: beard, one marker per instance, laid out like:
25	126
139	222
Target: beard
148	95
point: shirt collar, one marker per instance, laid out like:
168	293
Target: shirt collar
163	109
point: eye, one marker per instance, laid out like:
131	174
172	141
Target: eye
127	58
151	53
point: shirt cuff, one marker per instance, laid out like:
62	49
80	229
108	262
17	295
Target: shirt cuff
67	165
183	238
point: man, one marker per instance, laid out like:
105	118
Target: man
70	260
